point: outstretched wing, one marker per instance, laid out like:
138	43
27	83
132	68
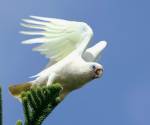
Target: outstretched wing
92	54
57	37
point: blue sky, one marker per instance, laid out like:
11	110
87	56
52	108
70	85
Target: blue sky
121	97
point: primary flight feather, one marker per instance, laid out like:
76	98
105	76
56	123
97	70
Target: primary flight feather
64	43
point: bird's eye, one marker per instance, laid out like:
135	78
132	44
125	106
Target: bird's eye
93	66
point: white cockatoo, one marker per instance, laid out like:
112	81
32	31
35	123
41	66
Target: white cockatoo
64	43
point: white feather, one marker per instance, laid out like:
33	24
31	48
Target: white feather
64	43
91	54
59	37
35	40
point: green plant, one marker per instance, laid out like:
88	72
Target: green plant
1	106
38	103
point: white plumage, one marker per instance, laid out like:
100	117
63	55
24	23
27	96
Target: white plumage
64	43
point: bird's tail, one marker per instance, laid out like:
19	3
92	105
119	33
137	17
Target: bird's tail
16	90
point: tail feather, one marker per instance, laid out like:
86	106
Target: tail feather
16	90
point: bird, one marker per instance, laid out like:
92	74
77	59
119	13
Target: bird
65	44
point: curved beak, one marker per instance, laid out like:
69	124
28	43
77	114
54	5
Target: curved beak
98	72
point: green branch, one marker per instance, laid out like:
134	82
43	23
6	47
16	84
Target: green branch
19	122
1	106
38	103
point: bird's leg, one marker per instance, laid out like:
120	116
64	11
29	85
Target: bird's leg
51	79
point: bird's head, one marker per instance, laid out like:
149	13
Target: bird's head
96	70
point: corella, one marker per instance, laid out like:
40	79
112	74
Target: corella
64	43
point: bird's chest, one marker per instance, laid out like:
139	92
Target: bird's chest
72	78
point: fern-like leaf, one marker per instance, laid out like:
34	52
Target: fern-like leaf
39	102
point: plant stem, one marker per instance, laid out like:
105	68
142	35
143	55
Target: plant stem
1	106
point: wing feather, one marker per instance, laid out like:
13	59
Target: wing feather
92	54
58	37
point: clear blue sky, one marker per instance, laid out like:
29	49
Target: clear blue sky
121	97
